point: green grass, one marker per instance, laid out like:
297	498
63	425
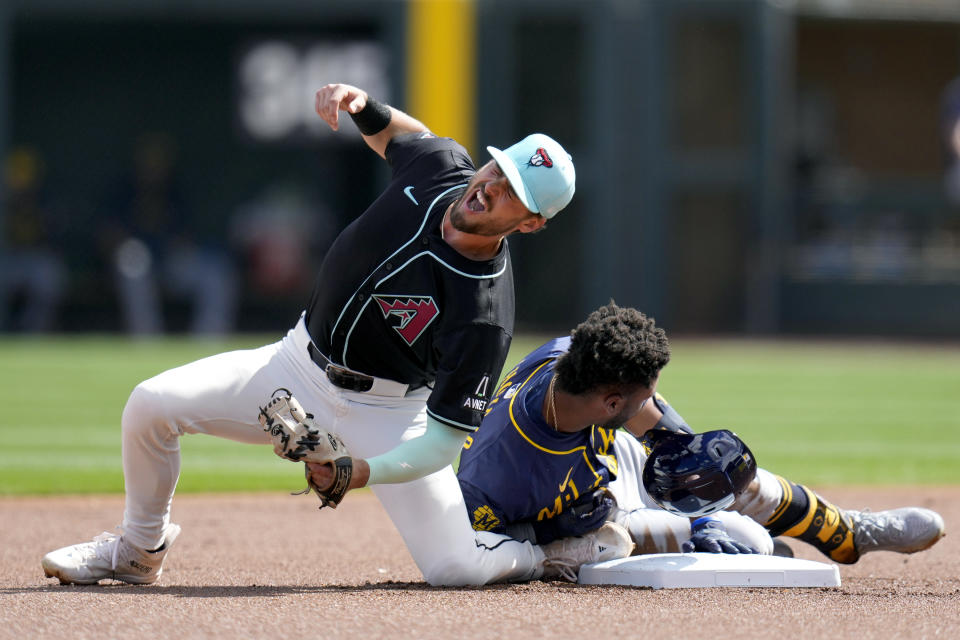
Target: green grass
60	430
820	413
828	413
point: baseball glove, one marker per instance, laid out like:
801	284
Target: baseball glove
297	437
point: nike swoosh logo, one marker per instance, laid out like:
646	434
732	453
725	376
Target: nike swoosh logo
409	192
563	485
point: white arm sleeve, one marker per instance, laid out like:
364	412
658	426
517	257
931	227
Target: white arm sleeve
418	457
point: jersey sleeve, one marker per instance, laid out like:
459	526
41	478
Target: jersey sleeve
408	150
485	515
469	366
671	420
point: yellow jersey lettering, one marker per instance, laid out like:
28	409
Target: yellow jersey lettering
610	462
546	513
505	384
607	437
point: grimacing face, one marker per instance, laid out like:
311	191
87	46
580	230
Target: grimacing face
489	206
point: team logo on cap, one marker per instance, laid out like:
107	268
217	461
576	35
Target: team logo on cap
540	159
415	313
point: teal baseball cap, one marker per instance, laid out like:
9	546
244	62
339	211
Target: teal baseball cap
540	172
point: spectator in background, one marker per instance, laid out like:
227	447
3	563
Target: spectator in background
951	137
282	235
154	249
32	272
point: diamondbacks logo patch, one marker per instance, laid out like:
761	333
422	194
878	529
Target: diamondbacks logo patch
408	315
541	159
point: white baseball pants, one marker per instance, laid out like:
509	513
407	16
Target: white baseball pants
221	396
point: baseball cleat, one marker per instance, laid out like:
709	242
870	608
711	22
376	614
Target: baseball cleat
905	530
108	556
564	557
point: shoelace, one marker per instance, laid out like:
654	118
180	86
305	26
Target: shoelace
104	542
564	567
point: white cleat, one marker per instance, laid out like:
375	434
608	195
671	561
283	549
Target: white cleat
565	556
108	556
905	530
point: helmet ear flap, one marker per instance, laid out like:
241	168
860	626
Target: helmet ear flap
696	474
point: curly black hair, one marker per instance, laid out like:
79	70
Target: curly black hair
613	346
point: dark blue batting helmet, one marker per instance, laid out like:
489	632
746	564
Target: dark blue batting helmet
694	474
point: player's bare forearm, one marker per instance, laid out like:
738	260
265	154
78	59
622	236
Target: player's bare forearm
333	98
644	420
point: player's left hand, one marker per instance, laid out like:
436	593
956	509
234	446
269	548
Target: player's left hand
709	535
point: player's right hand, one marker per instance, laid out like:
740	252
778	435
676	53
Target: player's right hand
709	535
333	98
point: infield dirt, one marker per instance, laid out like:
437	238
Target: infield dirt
273	566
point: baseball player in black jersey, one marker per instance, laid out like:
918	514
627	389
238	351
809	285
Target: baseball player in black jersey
397	352
549	461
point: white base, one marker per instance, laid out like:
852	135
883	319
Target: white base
688	570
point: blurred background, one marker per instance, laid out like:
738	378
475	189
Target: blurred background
745	167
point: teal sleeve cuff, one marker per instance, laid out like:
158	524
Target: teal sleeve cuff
436	448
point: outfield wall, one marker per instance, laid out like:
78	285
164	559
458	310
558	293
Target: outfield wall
744	166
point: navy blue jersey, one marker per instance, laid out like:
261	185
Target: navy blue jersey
516	467
395	301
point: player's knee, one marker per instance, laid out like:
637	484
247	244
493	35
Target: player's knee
143	412
466	567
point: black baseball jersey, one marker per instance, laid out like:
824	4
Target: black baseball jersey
393	300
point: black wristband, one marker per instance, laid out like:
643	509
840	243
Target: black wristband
373	118
342	472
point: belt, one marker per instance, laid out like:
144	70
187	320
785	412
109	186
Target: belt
351	380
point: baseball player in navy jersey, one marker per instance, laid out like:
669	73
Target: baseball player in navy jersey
397	353
549	461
